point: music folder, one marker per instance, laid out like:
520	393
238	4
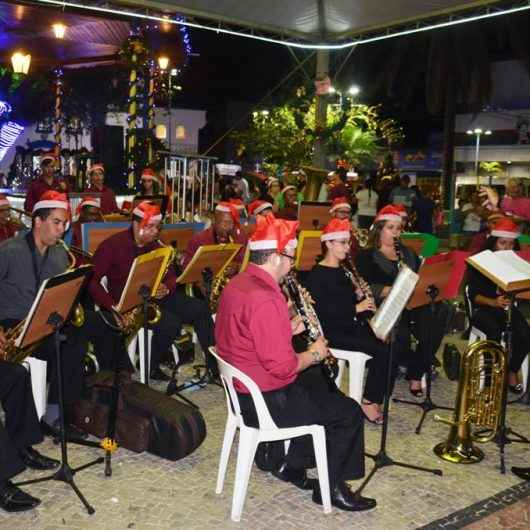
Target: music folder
58	294
147	269
309	248
214	257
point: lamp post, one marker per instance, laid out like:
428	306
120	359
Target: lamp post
478	133
20	62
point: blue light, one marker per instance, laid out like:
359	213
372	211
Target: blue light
9	132
5	108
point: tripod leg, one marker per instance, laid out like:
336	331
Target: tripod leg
81	497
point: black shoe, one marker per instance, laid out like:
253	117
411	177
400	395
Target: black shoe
516	389
522	472
298	477
13	499
158	375
34	460
343	498
73	434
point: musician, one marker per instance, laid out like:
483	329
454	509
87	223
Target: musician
378	264
490	305
259	207
25	262
21	432
478	241
46	182
7	228
96	174
341	209
344	302
225	229
251	306
88	211
239	205
113	260
289	210
150	188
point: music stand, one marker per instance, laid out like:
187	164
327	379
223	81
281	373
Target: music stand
435	276
308	249
60	293
212	259
313	215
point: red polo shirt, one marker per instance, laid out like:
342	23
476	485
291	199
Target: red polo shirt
207	237
36	189
113	259
107	198
253	330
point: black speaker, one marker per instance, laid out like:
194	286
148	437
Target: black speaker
107	144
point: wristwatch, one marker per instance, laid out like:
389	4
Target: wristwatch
316	356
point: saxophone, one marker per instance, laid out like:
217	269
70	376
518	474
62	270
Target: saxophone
303	305
216	285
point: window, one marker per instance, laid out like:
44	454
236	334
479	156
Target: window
180	133
161	132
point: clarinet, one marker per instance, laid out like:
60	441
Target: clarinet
303	306
397	248
357	281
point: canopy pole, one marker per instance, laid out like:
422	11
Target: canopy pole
322	70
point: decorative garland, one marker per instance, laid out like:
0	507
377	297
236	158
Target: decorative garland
57	119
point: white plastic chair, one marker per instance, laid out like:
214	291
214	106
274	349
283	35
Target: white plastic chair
357	362
250	437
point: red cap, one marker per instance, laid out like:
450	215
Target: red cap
390	212
149	174
273	234
339	202
506	228
147	211
96	167
336	229
402	209
257	206
88	201
238	204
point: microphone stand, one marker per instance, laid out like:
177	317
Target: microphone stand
381	458
65	473
427	404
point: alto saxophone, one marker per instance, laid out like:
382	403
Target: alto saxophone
303	305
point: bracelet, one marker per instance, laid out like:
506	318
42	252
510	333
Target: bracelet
316	356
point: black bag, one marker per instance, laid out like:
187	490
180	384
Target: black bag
451	362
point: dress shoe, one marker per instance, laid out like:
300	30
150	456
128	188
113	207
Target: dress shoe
34	460
516	389
522	472
13	499
158	375
73	434
298	477
343	498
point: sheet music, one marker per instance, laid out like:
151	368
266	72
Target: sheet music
389	311
502	267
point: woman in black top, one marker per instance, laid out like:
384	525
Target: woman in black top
490	304
343	302
378	264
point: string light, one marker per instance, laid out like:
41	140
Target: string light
315	46
9	132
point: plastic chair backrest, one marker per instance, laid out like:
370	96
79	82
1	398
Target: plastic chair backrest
228	373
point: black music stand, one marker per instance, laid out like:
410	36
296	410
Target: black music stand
62	292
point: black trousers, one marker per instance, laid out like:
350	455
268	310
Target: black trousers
178	309
22	427
361	338
429	329
492	322
310	400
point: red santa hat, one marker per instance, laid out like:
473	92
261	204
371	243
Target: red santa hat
336	229
339	202
257	206
47	156
149	174
239	205
390	212
506	228
89	201
96	167
273	234
228	207
53	199
271	181
3	200
148	212
402	210
287	188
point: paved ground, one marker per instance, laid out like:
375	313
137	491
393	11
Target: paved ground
146	492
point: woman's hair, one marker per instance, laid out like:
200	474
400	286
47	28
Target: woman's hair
374	236
156	187
491	243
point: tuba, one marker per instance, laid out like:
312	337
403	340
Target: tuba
478	401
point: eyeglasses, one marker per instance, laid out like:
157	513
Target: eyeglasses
285	255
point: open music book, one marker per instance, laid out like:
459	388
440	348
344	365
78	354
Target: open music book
504	268
389	311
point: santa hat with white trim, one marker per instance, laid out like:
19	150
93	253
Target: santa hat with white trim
88	201
287	188
388	213
228	207
257	206
271	181
5	202
402	210
147	211
273	234
339	202
506	228
96	167
239	205
336	229
53	199
148	174
47	156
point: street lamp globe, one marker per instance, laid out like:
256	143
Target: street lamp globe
478	131
163	62
354	90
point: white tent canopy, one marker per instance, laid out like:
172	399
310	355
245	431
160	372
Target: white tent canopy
311	23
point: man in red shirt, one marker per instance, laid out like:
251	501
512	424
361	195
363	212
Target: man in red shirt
7	228
225	229
253	332
113	260
46	182
107	197
88	211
